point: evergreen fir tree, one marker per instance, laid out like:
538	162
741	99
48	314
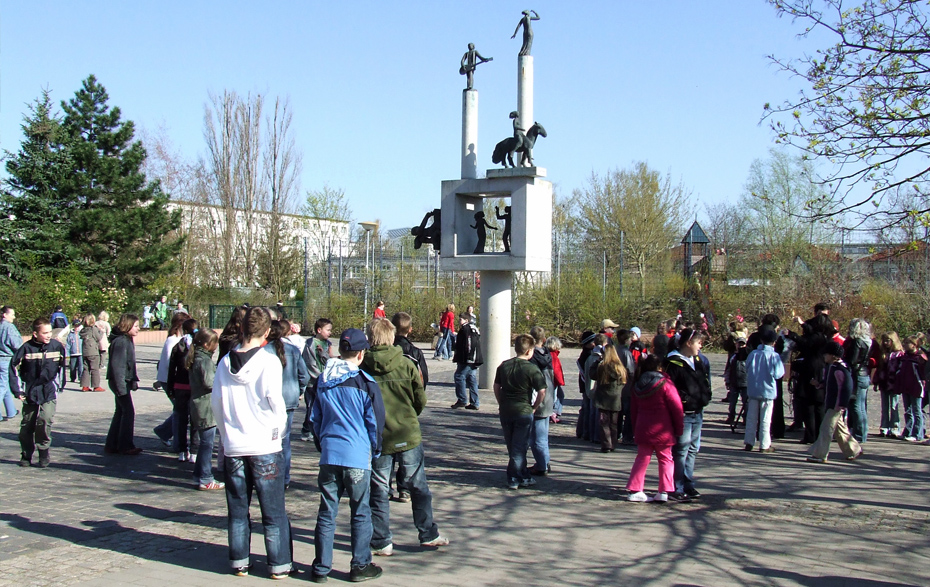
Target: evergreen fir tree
121	226
35	205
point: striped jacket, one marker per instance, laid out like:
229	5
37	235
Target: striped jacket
37	365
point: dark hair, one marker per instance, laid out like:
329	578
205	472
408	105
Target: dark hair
600	339
177	323
38	323
523	343
771	319
539	333
190	326
402	322
650	363
204	338
622	336
321	323
275	338
5	309
254	324
234	325
821	307
126	322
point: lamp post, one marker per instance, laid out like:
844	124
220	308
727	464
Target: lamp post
368	226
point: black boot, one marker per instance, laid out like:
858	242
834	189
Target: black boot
43	458
25	460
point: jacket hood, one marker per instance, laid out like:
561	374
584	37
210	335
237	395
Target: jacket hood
250	371
689	362
648	383
336	371
383	359
542	358
114	334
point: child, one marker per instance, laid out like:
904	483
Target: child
909	382
763	368
736	377
883	378
658	421
200	365
555	347
610	381
838	384
73	348
317	351
178	387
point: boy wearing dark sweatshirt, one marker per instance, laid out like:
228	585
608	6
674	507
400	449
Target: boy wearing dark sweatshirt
838	384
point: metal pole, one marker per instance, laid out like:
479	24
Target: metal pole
340	267
367	247
621	263
329	280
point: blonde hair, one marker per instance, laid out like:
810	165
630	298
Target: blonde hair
89	320
611	368
860	330
450	308
553	343
103	315
381	332
892	337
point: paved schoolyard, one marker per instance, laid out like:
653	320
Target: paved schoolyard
95	519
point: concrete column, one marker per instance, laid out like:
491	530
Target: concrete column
525	91
469	134
495	323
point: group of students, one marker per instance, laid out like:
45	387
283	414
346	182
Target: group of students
363	400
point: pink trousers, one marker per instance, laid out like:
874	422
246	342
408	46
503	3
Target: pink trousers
666	468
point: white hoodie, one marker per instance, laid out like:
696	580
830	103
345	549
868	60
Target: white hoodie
248	405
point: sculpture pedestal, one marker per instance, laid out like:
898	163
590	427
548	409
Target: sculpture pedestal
469	134
495	323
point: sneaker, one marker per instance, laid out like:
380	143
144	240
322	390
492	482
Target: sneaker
678	497
693	493
211	486
527	482
883	433
637	497
403	497
314	578
747	447
767	450
471	407
182	457
385	551
815	460
457	405
513	484
242	571
191	458
285	574
660	497
306	438
99	389
910	438
436	542
369	571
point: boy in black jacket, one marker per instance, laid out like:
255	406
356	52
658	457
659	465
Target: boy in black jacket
39	361
838	387
468	358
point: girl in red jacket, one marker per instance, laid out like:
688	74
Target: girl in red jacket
658	421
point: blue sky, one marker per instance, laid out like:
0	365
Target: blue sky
376	92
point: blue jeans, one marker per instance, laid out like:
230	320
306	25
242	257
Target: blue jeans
516	437
539	443
286	447
913	417
685	451
168	430
334	482
203	468
858	414
891	419
264	473
412	476
444	346
466	376
557	401
5	394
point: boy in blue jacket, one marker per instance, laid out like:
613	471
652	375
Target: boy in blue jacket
348	420
763	368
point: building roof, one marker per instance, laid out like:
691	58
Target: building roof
695	235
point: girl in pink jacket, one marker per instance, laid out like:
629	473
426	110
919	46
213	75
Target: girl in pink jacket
658	421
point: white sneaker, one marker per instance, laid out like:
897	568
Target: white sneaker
437	541
660	497
386	551
182	457
638	497
191	458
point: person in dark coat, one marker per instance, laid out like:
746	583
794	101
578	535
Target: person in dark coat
123	380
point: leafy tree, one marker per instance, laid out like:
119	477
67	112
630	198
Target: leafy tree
867	109
641	202
121	227
36	207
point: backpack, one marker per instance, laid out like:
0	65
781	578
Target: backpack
59	322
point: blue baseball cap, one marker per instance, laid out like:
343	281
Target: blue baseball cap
353	339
